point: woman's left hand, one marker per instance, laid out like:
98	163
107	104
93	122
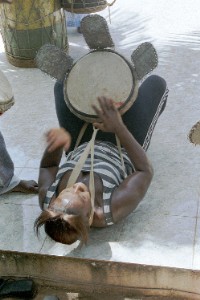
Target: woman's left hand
57	138
108	114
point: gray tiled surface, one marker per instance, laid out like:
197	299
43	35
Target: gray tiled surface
165	228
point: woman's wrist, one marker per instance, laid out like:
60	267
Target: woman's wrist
120	129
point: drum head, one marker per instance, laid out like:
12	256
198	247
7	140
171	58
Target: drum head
99	73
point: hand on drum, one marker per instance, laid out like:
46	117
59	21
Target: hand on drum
108	114
57	138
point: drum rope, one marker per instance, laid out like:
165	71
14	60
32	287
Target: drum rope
100	5
81	133
79	165
28	23
109	14
19	12
121	156
110	4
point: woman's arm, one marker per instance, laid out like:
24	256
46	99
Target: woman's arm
131	191
48	169
57	140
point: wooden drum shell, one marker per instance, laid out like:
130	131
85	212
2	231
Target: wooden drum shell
27	25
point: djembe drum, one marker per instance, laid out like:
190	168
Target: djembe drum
6	94
85	6
100	73
27	25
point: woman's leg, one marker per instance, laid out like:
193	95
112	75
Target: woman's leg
142	117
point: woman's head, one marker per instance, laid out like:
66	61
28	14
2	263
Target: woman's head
67	218
63	228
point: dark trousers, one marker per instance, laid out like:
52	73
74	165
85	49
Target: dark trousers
140	119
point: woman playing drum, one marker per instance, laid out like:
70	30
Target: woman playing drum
67	211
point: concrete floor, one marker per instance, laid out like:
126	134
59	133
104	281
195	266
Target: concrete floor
165	228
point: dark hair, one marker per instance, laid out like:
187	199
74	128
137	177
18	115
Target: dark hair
63	228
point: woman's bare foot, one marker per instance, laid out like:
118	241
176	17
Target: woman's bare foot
26	186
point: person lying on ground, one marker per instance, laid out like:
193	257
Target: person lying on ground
67	211
6	1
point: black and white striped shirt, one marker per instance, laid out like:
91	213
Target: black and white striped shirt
107	164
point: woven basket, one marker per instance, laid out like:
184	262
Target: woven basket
85	6
194	134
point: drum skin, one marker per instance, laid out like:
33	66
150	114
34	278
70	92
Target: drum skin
27	25
100	73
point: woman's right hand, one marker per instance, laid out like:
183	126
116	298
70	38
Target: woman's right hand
58	138
109	115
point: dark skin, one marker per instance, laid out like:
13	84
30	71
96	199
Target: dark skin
129	193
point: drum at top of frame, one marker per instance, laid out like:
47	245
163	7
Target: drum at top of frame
85	6
100	73
27	25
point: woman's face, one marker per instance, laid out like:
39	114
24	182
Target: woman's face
76	197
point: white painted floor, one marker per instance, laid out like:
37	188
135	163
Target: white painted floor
165	228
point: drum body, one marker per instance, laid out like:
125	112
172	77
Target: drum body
28	25
83	6
100	73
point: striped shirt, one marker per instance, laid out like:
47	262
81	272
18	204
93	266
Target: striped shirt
107	164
